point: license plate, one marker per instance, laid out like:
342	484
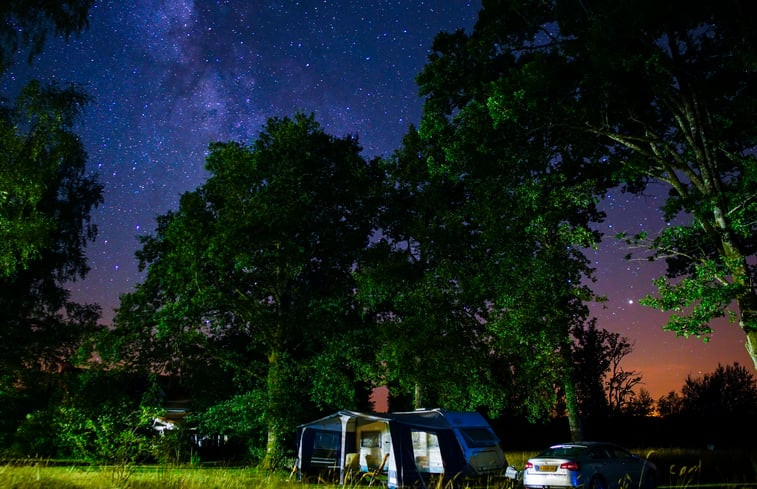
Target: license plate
546	468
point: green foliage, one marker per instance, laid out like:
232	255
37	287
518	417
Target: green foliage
96	415
239	417
251	279
696	299
484	252
41	164
112	436
618	94
46	201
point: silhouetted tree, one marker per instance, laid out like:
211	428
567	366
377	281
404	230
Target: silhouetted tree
671	404
639	404
729	391
604	387
25	24
591	363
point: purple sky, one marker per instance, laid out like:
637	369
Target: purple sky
169	77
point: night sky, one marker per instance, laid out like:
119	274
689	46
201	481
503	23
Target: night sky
170	76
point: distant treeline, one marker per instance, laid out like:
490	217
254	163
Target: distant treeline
636	432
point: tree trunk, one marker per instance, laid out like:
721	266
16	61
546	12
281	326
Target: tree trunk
571	404
747	299
418	396
273	444
270	461
571	400
748	323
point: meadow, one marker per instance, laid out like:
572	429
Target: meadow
677	468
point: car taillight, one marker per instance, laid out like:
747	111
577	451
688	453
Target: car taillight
529	465
569	466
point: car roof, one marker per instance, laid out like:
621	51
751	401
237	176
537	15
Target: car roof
584	444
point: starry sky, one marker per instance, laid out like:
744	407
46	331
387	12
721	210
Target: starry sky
170	76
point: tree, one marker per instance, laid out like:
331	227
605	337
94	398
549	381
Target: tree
45	204
664	94
27	23
620	383
24	230
671	404
253	275
729	391
591	364
640	404
603	386
526	199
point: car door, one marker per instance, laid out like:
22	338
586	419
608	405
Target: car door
626	467
601	464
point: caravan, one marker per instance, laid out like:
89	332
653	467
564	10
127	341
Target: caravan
405	448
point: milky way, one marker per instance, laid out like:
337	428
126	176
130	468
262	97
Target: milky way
169	77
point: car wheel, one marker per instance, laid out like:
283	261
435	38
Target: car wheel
597	483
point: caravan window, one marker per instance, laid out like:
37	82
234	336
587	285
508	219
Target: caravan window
370	439
428	456
478	437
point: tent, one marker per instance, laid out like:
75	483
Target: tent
408	448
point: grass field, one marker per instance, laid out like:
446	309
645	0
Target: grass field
677	468
40	476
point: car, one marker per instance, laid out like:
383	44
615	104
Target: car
589	465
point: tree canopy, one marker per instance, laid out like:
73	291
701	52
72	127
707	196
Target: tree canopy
517	216
638	92
253	274
45	203
300	275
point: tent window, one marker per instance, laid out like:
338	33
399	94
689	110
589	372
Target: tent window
326	440
325	447
428	456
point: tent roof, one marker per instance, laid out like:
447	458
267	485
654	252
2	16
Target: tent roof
427	418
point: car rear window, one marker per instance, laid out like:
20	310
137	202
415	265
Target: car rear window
563	452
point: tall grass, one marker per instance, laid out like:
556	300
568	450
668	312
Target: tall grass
43	477
676	468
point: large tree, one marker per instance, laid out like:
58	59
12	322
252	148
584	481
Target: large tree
431	344
46	199
45	203
254	273
666	94
25	230
524	203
